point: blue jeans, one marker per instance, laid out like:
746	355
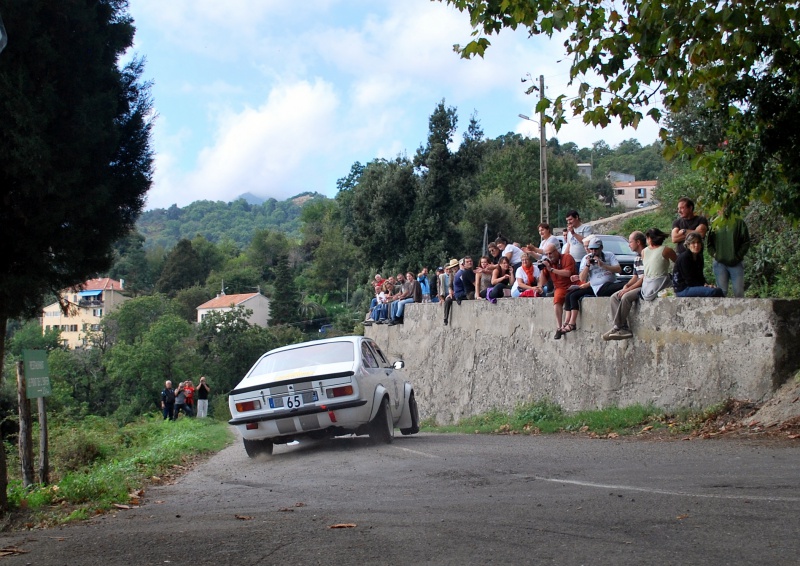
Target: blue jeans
734	275
700	292
398	306
380	312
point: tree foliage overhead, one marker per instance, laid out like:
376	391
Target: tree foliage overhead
75	141
744	57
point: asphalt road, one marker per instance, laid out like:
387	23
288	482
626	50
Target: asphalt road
457	499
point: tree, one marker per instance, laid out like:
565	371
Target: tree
285	301
75	141
743	57
182	269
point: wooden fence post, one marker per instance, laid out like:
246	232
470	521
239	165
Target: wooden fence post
44	458
25	435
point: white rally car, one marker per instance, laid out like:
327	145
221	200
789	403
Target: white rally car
321	389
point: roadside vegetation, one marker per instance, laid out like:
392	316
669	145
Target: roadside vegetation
546	417
97	466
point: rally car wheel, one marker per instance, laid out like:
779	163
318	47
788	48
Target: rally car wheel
256	448
412	408
381	429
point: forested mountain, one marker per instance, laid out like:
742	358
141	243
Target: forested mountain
219	221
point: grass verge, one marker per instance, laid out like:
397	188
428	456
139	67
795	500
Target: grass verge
96	465
542	417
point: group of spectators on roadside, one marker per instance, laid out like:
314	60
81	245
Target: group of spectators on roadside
581	269
181	399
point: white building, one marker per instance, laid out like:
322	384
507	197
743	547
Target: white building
255	302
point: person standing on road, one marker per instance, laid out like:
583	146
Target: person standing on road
168	401
728	244
202	398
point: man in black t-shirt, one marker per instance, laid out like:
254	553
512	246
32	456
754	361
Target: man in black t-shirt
168	401
688	222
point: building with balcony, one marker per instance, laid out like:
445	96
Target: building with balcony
255	302
631	194
85	306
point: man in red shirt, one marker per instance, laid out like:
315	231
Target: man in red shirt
189	388
558	268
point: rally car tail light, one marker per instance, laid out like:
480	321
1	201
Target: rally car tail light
339	391
244	406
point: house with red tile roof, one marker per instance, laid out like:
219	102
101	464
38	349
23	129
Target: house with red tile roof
85	305
255	302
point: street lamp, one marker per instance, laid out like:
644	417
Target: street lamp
544	193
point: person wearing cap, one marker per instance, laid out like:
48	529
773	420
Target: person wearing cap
443	276
463	286
597	278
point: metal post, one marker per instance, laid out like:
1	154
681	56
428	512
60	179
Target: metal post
544	190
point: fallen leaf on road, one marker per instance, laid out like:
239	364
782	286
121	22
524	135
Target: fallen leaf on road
299	504
11	550
120	506
645	429
243	517
613	435
285	509
682	517
793	436
343	526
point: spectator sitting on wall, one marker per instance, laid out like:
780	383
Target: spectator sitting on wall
381	311
509	250
558	269
494	253
622	300
463	286
501	278
414	296
598	278
484	277
526	279
687	275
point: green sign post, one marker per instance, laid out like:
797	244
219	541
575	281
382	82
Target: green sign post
37	374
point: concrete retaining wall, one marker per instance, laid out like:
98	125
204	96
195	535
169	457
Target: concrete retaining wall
685	353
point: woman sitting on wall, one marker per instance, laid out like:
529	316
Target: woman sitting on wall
483	276
502	277
687	275
526	278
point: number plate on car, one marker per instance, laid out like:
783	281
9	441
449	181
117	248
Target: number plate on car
293	401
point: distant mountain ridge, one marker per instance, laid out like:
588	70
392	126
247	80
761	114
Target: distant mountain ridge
218	221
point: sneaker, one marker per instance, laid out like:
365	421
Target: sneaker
623	334
392	322
367	323
445	322
608	335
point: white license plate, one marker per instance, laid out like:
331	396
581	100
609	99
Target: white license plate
290	402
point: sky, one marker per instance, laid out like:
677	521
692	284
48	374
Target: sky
276	98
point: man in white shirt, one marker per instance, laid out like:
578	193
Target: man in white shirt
577	232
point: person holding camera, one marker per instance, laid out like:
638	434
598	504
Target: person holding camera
597	278
180	400
558	270
202	398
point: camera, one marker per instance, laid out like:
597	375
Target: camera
593	260
541	265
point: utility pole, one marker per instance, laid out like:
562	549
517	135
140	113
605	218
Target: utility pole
544	192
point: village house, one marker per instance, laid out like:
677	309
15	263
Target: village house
255	302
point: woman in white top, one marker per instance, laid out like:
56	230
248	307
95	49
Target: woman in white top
526	277
656	258
509	250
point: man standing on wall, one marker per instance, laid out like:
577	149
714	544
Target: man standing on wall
688	222
728	244
577	232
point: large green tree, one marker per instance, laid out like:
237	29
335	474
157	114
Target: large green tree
743	57
75	141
